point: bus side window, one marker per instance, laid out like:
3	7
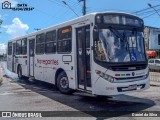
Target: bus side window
64	43
40	42
50	45
24	46
10	48
18	47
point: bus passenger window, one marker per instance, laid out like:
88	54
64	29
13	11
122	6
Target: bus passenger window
64	44
40	40
24	46
50	45
18	47
10	48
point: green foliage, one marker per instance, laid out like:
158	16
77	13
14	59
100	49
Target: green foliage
1	21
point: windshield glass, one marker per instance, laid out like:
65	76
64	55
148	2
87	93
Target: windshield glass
119	46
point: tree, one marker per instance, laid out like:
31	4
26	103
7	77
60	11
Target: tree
1	21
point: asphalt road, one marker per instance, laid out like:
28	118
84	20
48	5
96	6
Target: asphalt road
21	95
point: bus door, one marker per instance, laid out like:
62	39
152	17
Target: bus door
31	56
83	57
14	58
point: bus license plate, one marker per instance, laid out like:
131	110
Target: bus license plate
132	87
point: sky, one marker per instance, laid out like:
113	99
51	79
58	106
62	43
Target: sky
46	13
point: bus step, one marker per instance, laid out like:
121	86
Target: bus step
31	78
85	91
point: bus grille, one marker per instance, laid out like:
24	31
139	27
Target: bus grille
130	79
128	67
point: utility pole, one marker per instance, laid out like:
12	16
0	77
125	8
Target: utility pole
84	6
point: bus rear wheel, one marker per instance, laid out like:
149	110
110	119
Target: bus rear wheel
63	84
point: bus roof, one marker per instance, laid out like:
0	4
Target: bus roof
70	22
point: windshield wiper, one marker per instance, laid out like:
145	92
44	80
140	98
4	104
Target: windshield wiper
134	34
119	35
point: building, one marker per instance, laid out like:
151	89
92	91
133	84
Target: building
152	41
3	57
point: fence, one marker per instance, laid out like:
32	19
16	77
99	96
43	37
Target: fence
154	76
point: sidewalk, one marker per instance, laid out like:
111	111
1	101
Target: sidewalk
152	83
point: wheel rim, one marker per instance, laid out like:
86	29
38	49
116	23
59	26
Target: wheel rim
64	82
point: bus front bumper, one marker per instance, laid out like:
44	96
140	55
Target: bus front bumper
103	87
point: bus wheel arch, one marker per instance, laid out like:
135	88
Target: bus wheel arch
62	82
56	75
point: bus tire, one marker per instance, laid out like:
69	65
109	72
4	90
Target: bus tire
63	84
19	72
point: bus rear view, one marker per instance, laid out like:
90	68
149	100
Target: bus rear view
120	63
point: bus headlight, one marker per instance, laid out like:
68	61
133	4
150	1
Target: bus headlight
105	76
109	78
146	76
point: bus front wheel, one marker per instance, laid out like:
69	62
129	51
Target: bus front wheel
63	84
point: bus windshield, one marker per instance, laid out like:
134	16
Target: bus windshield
118	45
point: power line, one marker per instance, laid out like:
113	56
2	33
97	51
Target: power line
146	12
70	8
58	3
148	15
144	9
153	8
75	3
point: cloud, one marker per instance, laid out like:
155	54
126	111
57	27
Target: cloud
13	2
16	29
2	48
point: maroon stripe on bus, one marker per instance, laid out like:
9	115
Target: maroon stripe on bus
24	56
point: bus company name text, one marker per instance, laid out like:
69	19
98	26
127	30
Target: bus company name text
47	62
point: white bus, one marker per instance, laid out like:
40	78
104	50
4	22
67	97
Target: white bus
100	53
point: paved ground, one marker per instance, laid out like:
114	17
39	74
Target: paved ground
29	96
21	95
